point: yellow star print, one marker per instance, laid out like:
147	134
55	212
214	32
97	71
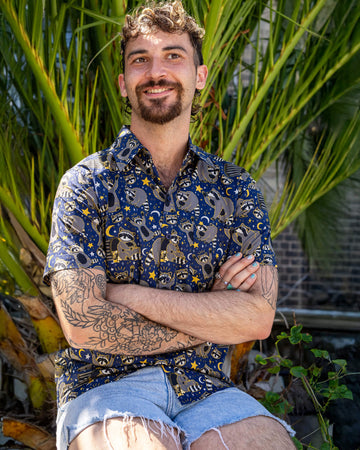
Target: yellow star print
195	279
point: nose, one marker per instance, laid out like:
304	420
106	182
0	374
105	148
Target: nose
156	69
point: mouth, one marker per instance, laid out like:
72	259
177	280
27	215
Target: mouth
157	91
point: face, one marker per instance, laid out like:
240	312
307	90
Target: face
160	76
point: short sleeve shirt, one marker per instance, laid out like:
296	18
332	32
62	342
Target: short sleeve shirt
112	212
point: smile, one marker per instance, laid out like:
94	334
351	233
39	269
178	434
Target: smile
157	91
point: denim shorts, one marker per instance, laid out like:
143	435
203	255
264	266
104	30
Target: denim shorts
147	394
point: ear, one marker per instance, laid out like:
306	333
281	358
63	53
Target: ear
121	81
202	73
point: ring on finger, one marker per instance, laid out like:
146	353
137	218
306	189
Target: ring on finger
219	277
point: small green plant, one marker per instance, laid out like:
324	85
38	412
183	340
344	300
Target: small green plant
321	381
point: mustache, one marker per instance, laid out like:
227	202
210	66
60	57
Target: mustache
160	83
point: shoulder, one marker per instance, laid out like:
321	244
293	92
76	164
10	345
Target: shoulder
108	162
228	171
90	172
95	163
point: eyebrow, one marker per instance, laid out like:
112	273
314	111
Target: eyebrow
165	49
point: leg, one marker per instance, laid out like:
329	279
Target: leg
255	433
127	433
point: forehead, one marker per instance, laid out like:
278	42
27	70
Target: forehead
159	41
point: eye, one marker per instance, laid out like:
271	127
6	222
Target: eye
125	237
173	56
139	60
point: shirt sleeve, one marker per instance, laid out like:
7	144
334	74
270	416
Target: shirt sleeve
76	239
251	231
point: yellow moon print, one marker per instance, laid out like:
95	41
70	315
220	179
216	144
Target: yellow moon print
107	231
259	225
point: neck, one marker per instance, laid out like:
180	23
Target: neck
166	143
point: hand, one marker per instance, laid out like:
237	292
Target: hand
237	272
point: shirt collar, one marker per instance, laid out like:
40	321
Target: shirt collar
126	146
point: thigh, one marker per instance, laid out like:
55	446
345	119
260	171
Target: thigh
140	395
257	433
221	409
127	433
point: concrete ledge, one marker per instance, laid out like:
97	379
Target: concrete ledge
324	319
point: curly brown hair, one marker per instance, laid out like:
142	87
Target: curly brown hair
170	17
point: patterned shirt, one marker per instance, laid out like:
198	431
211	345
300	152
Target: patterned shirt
112	212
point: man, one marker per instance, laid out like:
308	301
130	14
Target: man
160	258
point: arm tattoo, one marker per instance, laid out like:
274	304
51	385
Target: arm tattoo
110	327
76	285
269	285
101	284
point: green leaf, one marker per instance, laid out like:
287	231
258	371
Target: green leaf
298	371
327	446
274	370
282	336
341	391
320	353
297	443
295	336
306	337
316	371
286	362
261	360
272	396
340	362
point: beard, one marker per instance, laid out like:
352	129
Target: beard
158	112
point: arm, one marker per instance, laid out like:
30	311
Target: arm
89	320
220	316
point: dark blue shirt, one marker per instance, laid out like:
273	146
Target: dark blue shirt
112	212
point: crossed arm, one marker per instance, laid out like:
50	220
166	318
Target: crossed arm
137	320
220	316
90	320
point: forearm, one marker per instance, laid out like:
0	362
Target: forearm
223	317
89	320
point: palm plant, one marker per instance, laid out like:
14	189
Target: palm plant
269	102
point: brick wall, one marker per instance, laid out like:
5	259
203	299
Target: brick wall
303	287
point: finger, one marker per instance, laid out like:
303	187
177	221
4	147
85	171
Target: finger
222	277
237	267
248	283
230	262
239	278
